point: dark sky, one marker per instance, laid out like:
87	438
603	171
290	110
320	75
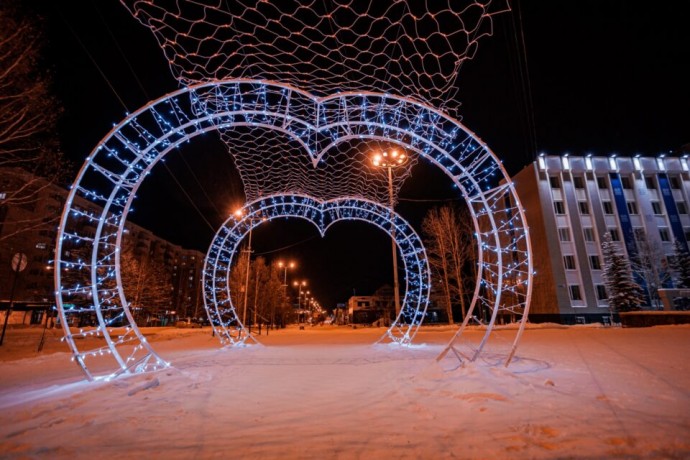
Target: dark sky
576	76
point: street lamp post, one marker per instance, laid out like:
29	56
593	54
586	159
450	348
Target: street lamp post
299	284
284	266
239	213
390	160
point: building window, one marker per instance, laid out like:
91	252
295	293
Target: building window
625	182
656	207
589	233
686	232
594	262
664	234
639	234
608	207
575	292
601	292
558	207
632	207
601	182
579	182
569	262
555	183
682	207
564	234
583	206
615	236
675	182
649	183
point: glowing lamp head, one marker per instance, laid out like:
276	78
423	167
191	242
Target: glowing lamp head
389	159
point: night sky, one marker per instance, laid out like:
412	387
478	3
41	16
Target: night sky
593	76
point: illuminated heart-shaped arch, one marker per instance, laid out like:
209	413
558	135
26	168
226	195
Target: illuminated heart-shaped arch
87	274
217	292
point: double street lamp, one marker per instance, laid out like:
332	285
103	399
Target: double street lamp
240	214
391	160
284	266
299	285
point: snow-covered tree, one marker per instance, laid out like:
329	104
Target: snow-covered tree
624	294
681	264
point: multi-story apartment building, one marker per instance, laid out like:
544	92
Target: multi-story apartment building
571	202
31	228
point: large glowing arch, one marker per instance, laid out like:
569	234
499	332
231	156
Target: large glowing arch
87	275
217	292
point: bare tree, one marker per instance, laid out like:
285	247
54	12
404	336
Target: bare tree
28	117
451	250
652	266
265	292
147	284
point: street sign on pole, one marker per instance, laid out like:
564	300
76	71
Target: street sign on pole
18	264
19	261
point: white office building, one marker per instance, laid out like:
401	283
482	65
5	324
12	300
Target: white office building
572	201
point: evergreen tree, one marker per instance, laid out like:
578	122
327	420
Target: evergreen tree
624	294
681	265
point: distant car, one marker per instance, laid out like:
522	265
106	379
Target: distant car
188	323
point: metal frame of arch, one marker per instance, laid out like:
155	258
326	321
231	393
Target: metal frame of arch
87	270
216	274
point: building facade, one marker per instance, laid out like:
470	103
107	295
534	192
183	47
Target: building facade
30	227
571	202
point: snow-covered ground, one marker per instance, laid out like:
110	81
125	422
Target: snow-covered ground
328	392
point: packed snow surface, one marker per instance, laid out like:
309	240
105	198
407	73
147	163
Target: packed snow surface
331	392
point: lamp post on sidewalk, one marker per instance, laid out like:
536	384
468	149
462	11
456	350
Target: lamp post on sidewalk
299	285
240	214
390	160
284	266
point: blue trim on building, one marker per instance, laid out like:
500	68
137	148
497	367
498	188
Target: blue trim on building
672	210
626	225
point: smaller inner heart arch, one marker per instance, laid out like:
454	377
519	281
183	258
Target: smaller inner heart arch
322	214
